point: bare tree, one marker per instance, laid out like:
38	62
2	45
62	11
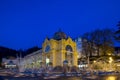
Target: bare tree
107	41
117	33
96	36
87	44
100	41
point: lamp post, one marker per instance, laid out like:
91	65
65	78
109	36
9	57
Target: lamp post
88	61
110	61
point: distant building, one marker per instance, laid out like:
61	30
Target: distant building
84	46
30	61
10	63
79	46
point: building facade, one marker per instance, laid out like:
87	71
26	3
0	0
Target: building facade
31	61
59	49
79	46
10	63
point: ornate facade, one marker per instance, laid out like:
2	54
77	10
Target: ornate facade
59	50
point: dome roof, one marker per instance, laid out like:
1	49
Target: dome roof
59	35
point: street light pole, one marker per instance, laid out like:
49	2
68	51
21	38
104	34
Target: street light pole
110	61
88	60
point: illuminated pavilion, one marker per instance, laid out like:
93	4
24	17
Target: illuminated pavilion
59	50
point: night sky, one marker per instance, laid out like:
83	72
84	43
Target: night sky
26	23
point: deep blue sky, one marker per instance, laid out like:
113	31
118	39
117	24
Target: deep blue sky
26	23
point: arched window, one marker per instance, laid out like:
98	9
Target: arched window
69	54
69	48
47	49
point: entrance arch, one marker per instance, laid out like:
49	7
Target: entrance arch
69	55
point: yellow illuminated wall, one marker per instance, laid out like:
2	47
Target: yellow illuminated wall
56	51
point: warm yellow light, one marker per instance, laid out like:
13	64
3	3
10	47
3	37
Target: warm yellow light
111	78
110	59
118	65
109	54
94	61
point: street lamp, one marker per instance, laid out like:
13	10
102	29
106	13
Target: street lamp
110	61
94	61
88	61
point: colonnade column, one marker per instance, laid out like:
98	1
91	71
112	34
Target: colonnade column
62	57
